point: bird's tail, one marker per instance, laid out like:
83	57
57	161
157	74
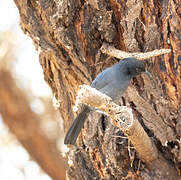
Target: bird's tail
76	126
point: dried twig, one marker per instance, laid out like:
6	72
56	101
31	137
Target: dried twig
122	117
112	51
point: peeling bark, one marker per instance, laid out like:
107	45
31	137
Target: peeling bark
69	35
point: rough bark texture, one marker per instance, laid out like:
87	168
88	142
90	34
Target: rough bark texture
69	35
22	122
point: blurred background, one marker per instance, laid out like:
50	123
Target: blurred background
30	126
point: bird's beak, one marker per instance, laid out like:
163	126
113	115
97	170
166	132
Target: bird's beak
148	74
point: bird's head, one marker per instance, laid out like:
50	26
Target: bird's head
134	67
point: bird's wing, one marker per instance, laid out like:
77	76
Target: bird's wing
102	79
115	88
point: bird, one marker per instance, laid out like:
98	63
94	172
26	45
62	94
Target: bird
113	82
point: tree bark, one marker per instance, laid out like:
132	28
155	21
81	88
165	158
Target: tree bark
69	35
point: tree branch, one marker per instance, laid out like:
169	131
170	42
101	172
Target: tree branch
112	51
122	118
16	113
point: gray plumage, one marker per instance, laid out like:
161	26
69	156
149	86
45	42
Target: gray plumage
113	81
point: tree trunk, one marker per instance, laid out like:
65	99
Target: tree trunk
69	35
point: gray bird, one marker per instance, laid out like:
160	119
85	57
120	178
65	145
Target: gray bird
113	81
